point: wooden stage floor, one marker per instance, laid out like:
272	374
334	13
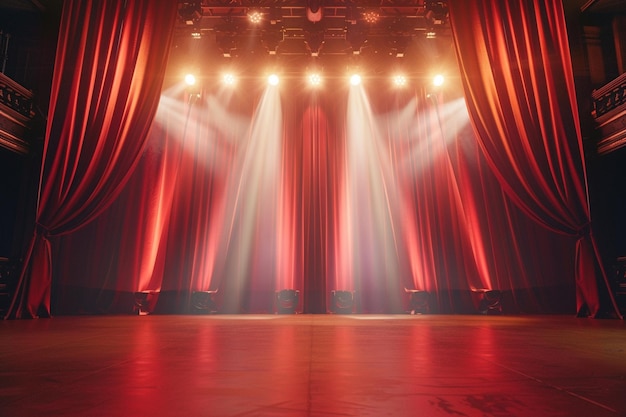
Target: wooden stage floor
313	365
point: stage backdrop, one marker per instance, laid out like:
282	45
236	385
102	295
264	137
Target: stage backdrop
363	189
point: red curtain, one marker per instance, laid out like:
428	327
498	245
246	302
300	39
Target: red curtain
109	68
517	77
360	189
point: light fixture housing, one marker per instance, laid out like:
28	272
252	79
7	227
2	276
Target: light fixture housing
255	16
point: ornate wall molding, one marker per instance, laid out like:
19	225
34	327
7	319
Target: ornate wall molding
609	112
16	112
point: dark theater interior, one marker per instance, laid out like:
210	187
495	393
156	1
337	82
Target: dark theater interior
312	208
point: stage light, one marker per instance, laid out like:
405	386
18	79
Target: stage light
399	80
314	11
287	301
273	79
315	79
255	16
193	88
491	302
229	79
438	80
343	302
190	79
419	301
196	35
202	302
371	16
355	79
431	34
145	302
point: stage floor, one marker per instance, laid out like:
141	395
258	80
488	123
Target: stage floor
313	365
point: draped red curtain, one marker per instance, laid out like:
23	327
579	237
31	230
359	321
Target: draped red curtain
363	189
518	82
109	68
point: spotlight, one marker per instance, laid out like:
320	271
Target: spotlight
371	16
193	88
315	79
202	302
190	79
438	80
419	301
229	79
287	301
355	79
314	11
273	79
342	302
431	34
255	16
196	34
491	302
399	80
145	302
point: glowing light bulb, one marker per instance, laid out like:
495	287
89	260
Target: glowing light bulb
255	17
190	79
355	79
399	80
371	16
273	79
229	79
315	79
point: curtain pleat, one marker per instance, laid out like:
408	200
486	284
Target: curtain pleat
518	82
109	68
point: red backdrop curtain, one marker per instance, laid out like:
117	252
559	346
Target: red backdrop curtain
255	190
109	68
517	77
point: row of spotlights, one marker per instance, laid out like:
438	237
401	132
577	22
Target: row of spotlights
315	79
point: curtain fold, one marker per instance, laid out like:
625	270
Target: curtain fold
110	62
518	82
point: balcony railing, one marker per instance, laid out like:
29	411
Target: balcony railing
16	112
609	112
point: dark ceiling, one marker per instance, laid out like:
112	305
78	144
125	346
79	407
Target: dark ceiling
324	33
27	5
